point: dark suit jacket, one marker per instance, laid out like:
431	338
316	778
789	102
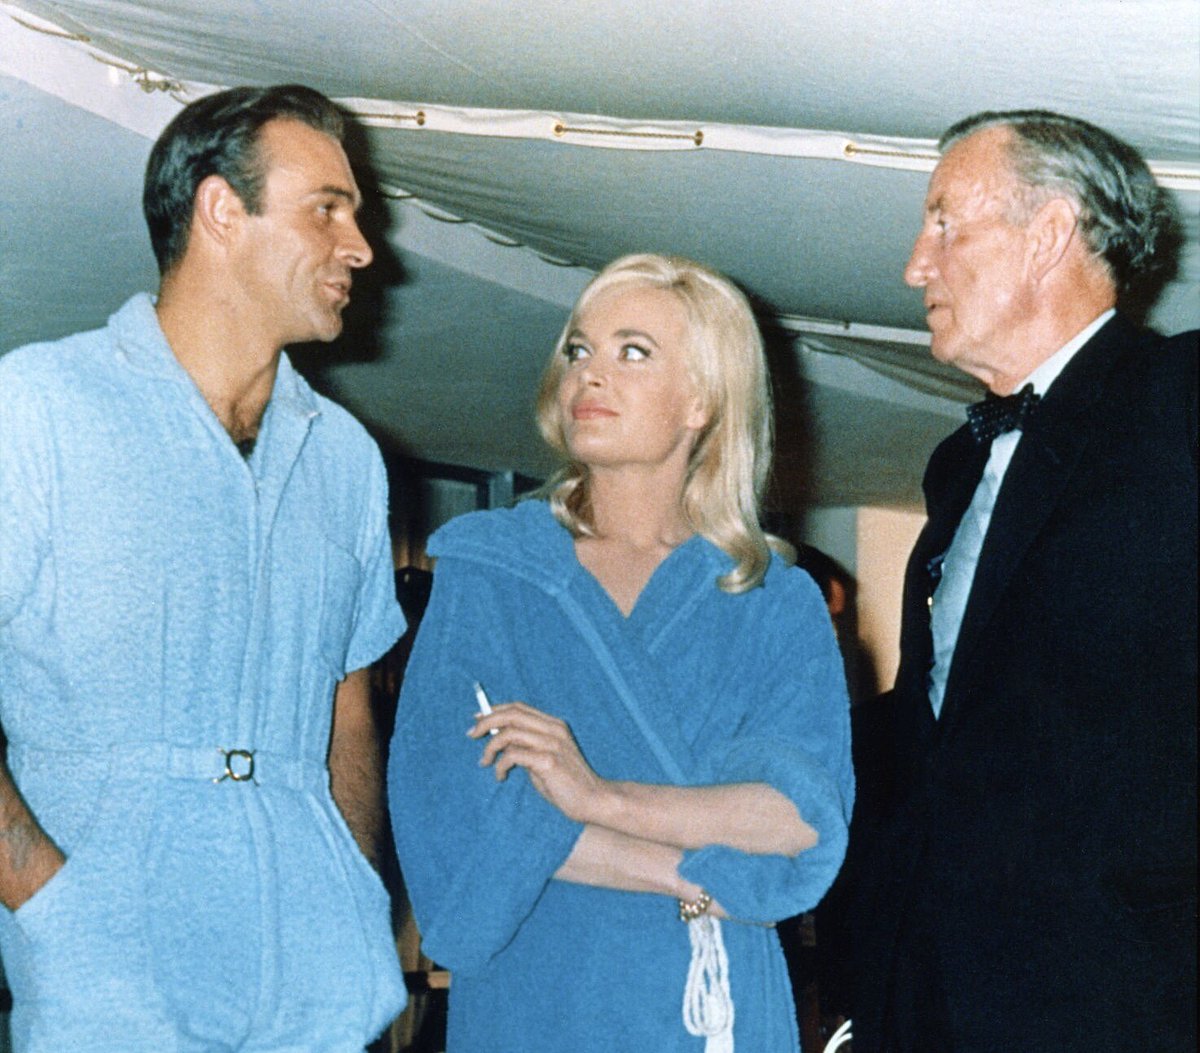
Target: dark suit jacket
1044	838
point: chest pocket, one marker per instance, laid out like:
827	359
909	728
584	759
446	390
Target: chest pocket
341	578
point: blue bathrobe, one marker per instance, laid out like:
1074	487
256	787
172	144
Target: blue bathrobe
731	688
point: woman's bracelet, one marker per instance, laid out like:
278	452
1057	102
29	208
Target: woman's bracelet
689	910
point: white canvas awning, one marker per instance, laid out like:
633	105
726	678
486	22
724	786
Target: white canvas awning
516	147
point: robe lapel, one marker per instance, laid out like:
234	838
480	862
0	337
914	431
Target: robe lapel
624	650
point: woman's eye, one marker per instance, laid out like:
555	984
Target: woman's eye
574	352
633	353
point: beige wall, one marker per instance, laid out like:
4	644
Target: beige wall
872	544
884	538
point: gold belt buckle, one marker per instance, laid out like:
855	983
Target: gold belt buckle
244	772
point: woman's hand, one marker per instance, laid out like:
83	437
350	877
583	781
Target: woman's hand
544	746
750	817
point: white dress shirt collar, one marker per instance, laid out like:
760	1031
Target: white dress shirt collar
1045	374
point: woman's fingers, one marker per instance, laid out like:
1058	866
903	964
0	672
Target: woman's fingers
518	735
532	749
515	722
514	715
507	739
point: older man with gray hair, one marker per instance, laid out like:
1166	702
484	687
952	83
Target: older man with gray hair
1034	887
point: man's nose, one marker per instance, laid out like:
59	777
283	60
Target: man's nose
916	271
354	248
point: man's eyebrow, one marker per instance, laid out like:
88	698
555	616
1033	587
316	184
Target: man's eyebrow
339	191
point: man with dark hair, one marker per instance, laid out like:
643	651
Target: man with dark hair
194	577
1034	887
219	135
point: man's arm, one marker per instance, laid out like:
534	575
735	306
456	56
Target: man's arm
28	858
355	764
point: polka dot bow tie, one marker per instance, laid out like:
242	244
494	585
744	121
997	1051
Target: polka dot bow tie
995	415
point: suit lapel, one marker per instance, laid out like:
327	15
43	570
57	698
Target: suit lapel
1045	458
950	480
954	472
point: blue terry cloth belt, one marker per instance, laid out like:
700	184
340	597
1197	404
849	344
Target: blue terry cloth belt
216	764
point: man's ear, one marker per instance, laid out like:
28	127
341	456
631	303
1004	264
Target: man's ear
1051	231
218	211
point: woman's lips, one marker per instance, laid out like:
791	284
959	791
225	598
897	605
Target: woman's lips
591	411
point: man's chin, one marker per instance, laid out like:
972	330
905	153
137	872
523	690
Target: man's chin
327	330
941	350
313	339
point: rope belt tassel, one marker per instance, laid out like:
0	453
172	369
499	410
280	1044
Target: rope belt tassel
707	1002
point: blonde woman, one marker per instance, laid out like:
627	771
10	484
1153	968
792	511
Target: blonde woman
668	730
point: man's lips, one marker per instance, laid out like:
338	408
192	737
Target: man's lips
340	291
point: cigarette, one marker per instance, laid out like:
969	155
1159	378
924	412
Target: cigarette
485	707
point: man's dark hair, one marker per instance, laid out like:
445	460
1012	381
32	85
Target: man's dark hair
1125	217
219	135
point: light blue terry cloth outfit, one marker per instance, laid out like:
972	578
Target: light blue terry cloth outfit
163	599
738	688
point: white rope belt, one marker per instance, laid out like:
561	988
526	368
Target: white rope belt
839	1038
707	1003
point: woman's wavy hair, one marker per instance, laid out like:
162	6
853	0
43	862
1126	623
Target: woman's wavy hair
729	464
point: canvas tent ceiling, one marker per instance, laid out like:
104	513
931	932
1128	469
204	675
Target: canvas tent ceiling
816	125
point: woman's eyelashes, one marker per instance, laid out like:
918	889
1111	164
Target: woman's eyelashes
577	352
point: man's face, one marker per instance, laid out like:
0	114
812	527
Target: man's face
971	260
296	256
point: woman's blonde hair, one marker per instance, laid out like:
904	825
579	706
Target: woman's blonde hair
728	467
